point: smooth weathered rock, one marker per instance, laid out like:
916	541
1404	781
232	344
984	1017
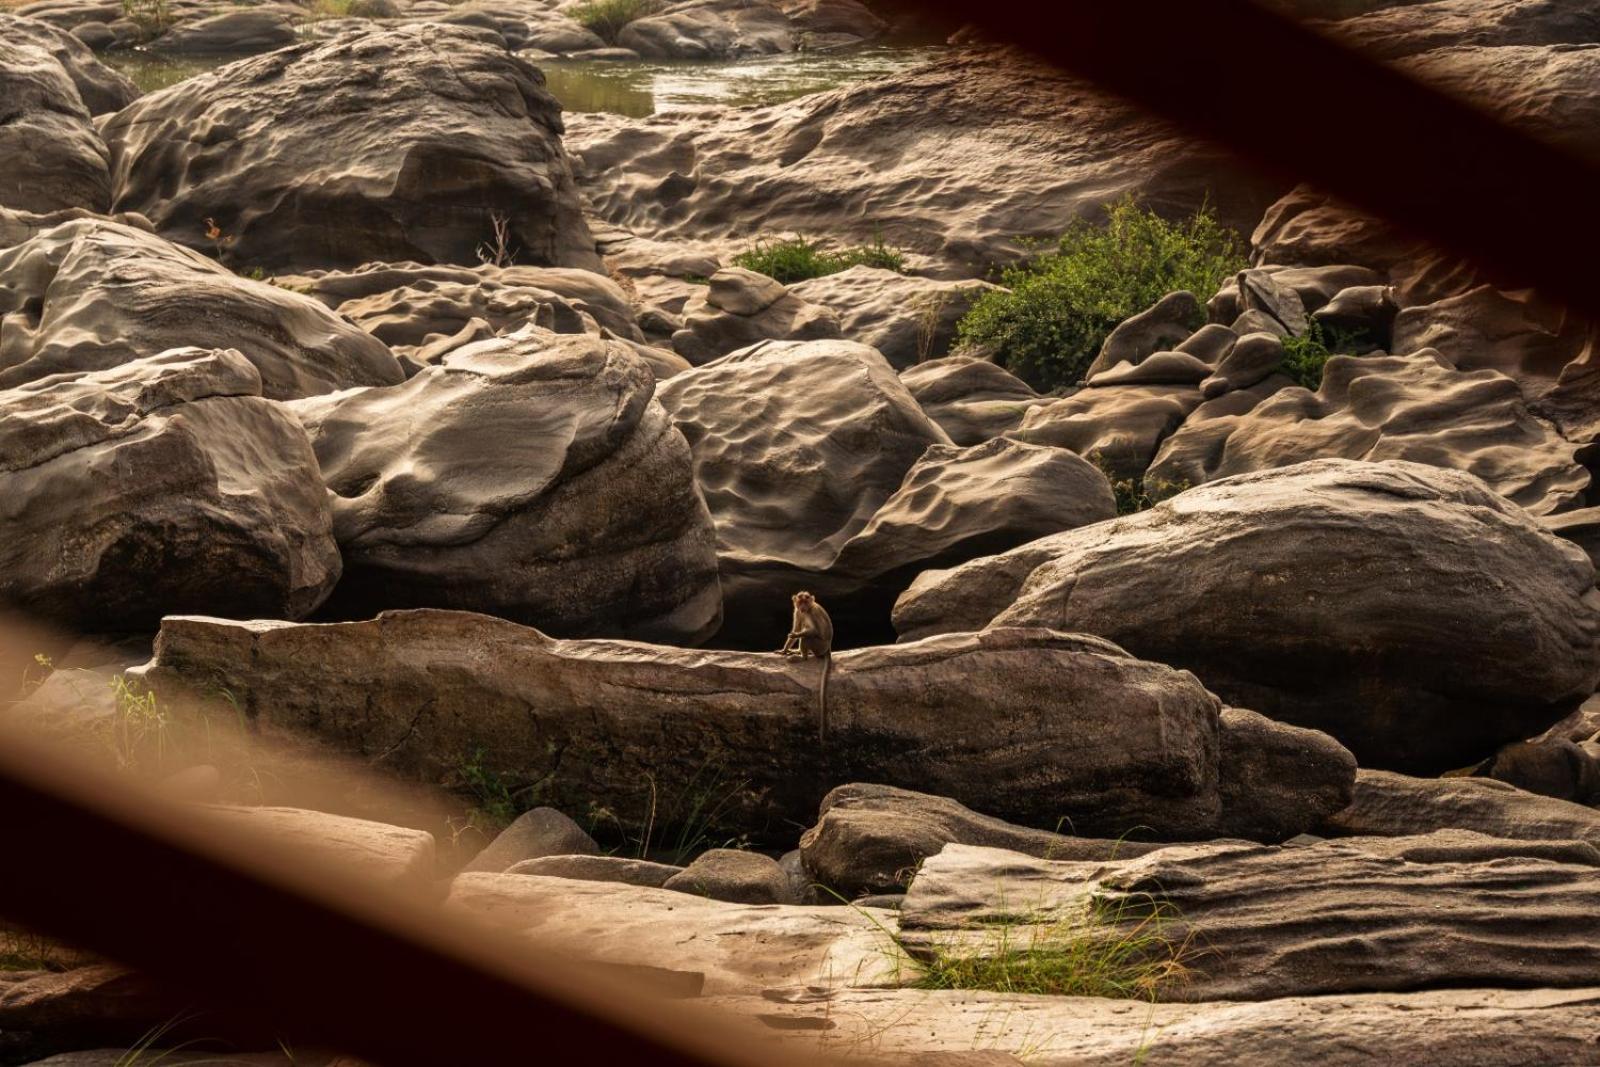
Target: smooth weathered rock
740	308
796	446
1035	727
1271	922
100	87
1328	595
958	504
710	29
1251	360
1443	1028
1119	428
910	320
598	869
735	876
711	946
1163	326
1315	286
165	485
534	835
241	31
1019	151
530	476
1390	804
374	851
870	838
1566	770
1410	28
1417	407
972	400
1279	780
441	133
45	1011
91	294
1366	312
1161	368
51	158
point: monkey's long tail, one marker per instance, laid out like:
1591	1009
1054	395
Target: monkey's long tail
822	699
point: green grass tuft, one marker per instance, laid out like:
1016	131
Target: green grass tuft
1049	323
1305	357
798	259
606	18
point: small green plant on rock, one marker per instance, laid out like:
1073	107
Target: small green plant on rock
797	259
1134	495
1306	356
1048	323
606	18
152	17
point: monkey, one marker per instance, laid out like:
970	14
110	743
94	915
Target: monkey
812	635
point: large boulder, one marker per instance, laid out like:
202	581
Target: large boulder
1263	922
374	851
50	155
971	399
531	476
91	294
1417	407
166	485
1279	780
240	31
1330	595
710	29
957	504
534	835
1018	150
1118	426
1390	805
442	136
1035	727
910	320
734	875
796	446
1409	28
101	88
740	308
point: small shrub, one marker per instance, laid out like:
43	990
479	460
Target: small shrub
1134	495
1304	357
1056	311
798	259
606	18
152	17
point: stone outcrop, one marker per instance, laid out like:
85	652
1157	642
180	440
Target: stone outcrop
50	156
1264	922
556	492
910	320
1387	804
972	400
89	295
1019	150
165	485
739	308
442	136
1035	727
1329	595
100	87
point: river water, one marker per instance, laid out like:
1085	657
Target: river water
633	89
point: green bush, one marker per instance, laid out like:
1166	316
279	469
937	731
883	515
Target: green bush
798	259
606	18
1305	357
1049	323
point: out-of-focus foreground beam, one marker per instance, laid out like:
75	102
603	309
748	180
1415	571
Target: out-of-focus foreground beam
265	933
1278	95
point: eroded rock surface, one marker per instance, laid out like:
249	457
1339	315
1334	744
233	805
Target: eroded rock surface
1328	595
90	294
442	134
531	476
164	485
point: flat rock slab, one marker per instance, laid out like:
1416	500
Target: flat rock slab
1388	804
372	850
733	948
1264	921
1490	1027
1036	726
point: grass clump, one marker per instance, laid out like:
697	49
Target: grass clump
1305	357
1049	322
152	17
1123	949
606	18
798	259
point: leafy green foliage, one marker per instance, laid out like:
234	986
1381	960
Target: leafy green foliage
606	18
797	259
1134	495
1056	311
1304	357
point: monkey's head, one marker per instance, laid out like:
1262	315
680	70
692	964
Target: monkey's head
803	600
